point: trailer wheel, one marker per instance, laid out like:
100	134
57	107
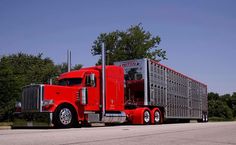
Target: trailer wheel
157	117
64	117
206	118
146	117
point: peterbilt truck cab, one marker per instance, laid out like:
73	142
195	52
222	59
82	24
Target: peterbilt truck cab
76	99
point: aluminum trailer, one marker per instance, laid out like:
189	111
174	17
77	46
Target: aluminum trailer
179	96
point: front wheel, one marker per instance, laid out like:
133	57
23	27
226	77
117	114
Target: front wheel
64	117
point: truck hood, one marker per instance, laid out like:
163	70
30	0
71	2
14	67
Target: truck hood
61	93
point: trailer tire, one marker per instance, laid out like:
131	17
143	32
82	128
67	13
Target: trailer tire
146	117
203	119
64	117
206	117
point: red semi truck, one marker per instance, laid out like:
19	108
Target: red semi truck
140	91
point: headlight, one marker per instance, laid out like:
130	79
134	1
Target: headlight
47	102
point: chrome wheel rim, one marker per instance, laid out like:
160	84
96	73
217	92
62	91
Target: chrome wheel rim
146	117
65	116
157	116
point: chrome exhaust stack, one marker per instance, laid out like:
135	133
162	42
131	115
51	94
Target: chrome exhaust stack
118	117
103	80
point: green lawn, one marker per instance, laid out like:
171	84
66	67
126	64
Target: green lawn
215	119
5	123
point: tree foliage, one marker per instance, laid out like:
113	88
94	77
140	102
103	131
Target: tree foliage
222	106
63	67
77	67
18	70
134	43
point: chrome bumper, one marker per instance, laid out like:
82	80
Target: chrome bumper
32	119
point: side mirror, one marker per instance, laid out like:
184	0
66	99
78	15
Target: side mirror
84	96
90	80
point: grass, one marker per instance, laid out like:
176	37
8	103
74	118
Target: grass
6	123
216	119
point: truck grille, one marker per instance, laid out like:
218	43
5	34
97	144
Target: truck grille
32	96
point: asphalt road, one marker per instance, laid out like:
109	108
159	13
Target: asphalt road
223	133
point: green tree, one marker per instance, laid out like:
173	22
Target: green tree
233	99
18	70
62	68
227	98
77	67
219	108
134	43
9	91
222	106
213	96
231	102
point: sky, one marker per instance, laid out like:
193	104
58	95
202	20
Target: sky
198	35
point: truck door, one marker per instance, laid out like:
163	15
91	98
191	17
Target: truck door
93	92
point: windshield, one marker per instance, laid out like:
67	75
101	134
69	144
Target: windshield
70	82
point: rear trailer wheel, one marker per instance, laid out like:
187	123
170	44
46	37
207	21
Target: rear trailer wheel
157	117
146	117
206	118
64	117
203	118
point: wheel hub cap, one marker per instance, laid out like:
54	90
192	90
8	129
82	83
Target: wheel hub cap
157	116
65	116
146	116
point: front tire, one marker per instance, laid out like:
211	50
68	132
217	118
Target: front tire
64	117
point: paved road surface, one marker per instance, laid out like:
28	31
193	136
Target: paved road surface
223	133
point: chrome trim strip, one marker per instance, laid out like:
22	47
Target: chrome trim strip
41	98
145	82
103	80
